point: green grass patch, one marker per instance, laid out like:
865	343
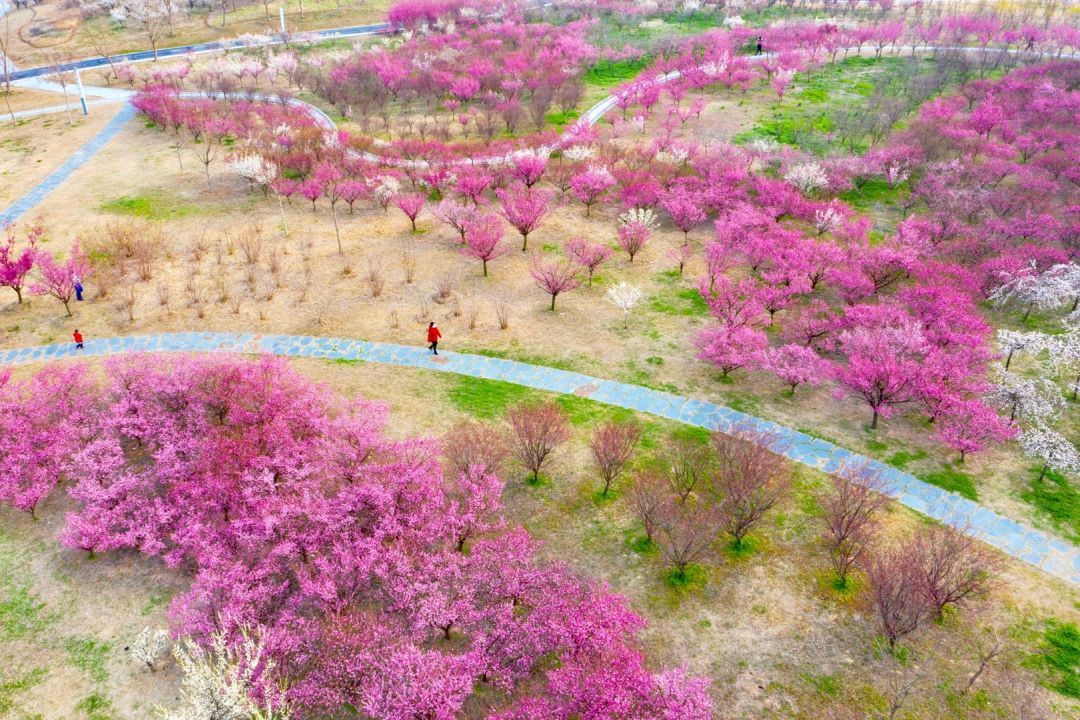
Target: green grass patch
12	685
560	119
96	707
486	399
875	191
150	205
1056	497
740	550
582	411
607	73
686	302
89	655
22	613
642	545
902	458
691	578
1059	656
347	361
953	480
824	685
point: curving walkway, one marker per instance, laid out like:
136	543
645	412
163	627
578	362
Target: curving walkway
38	193
1052	555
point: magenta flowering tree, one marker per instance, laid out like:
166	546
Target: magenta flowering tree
455	215
554	277
58	279
375	581
969	426
684	209
473	182
730	347
796	365
591	184
524	209
483	239
412	205
586	254
883	366
43	420
15	266
529	168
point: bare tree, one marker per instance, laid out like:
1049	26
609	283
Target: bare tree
5	54
537	430
856	496
685	532
896	582
648	493
750	478
475	444
689	465
612	446
954	566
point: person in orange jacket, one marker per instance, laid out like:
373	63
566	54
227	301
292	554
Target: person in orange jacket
78	339
433	336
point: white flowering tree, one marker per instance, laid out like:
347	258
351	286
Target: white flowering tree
148	646
1027	400
1014	341
1051	448
644	217
625	297
1064	358
151	17
218	681
808	177
1030	290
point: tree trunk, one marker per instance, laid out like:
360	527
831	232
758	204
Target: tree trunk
873	423
281	209
337	233
553	295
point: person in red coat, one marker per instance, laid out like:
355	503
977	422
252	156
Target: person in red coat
78	339
433	336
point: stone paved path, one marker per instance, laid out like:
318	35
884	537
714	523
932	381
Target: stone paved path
28	201
1053	555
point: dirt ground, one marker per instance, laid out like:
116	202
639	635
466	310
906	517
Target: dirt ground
55	31
765	628
35	146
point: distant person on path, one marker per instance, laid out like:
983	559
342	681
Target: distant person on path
78	339
78	288
433	336
758	52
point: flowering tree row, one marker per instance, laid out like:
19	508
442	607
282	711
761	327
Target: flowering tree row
379	582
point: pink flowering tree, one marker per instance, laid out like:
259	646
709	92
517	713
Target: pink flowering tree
969	426
524	209
484	239
795	365
554	277
590	185
412	205
586	254
43	420
730	347
685	210
15	266
58	279
455	215
529	168
883	366
376	582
